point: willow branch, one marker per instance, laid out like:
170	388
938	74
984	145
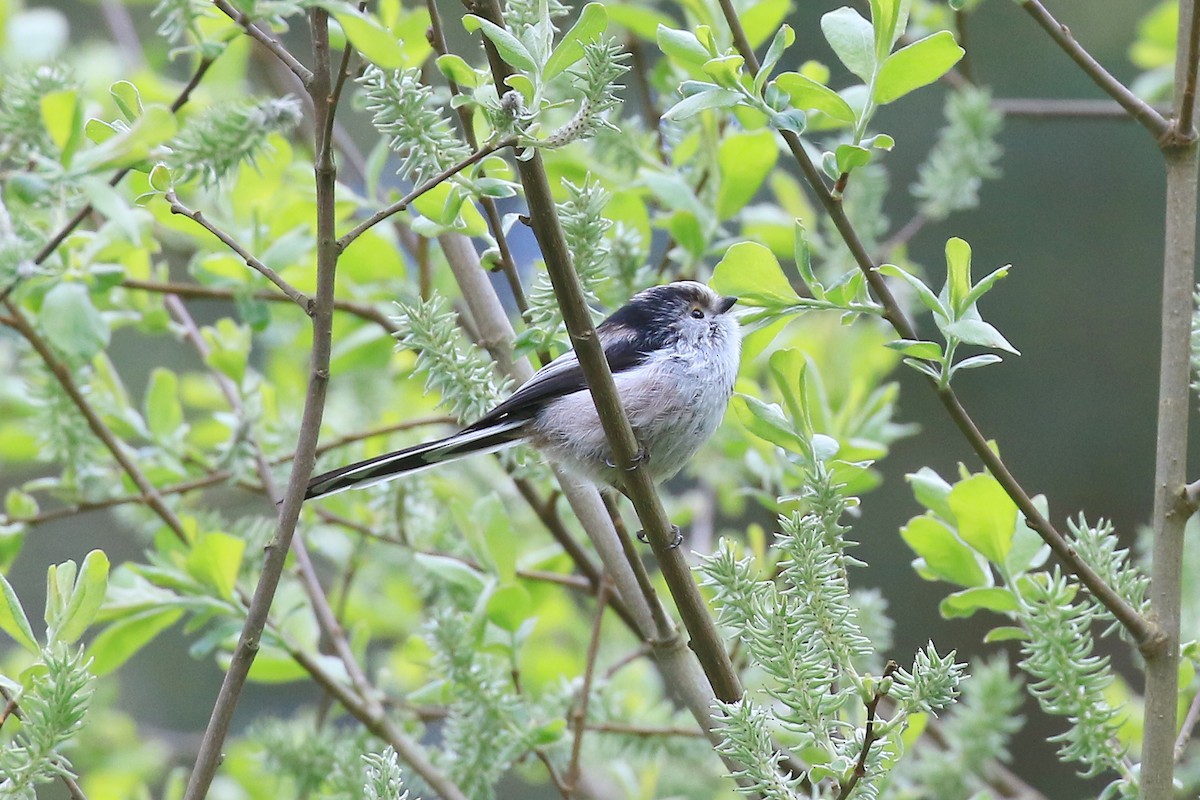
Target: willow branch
404	202
1188	726
268	41
1054	108
295	295
1145	632
1141	111
579	716
314	406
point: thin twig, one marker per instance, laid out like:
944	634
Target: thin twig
295	295
1189	725
644	731
267	40
1148	635
1150	119
860	766
403	203
579	716
1066	108
1189	60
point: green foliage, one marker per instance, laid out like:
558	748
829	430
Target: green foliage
22	132
211	146
384	779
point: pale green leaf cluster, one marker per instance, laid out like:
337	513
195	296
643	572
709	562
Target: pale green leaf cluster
1100	549
384	779
215	143
457	371
319	761
931	684
411	113
963	158
596	80
746	733
23	133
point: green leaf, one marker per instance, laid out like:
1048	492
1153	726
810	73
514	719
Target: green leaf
367	34
945	555
62	115
164	412
714	98
751	272
86	597
509	606
215	559
744	160
968	601
811	95
767	422
916	65
1006	633
931	491
726	71
802	253
917	349
924	293
452	571
762	19
130	148
228	348
637	19
128	99
72	323
591	23
509	46
850	157
974	362
13	620
886	16
119	641
458	70
682	45
782	41
958	273
984	286
976	331
987	517
852	39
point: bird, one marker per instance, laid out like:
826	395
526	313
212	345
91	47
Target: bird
674	351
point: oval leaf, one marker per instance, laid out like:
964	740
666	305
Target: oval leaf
987	517
916	65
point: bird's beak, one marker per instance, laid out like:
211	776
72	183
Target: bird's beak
725	304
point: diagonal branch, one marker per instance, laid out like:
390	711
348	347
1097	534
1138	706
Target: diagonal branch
1148	636
267	40
1138	108
298	297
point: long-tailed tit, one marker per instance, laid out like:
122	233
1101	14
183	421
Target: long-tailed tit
673	351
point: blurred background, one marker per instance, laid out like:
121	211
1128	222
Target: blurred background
1077	212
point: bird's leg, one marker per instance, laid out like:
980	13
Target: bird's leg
676	537
642	456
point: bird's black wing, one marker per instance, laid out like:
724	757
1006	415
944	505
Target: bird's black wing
625	347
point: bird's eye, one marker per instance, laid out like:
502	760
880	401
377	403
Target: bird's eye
697	313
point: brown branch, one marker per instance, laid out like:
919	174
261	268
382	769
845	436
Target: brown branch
643	731
403	203
1148	635
202	292
579	715
1065	108
1189	725
295	295
268	41
310	425
1150	119
860	766
1187	63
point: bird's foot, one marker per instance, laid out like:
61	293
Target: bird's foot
642	456
676	537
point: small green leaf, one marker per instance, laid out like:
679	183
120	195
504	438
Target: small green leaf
122	639
509	607
931	491
986	515
984	286
128	99
802	254
682	45
726	71
751	272
767	422
215	560
888	18
160	178
12	618
852	39
744	160
228	348
164	412
72	323
916	65
974	362
976	331
968	601
86	597
694	104
457	69
784	38
452	571
945	555
509	46
379	45
811	95
763	18
931	351
958	273
591	23
924	293
1006	633
550	732
62	115
850	157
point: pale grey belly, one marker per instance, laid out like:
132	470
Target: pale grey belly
670	423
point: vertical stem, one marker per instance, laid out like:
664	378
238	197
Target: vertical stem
1171	510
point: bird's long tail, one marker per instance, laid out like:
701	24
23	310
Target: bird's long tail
412	459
